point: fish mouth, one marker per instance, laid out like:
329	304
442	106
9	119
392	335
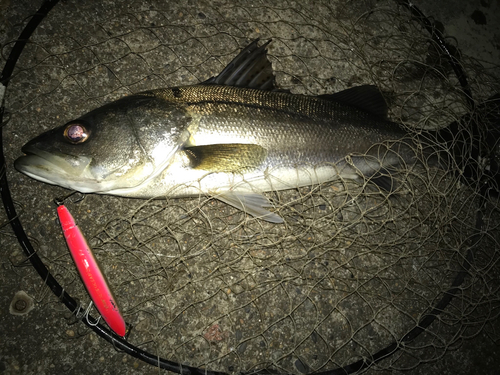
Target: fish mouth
67	171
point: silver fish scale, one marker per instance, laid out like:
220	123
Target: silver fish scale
296	130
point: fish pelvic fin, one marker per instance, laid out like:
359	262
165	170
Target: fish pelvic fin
251	203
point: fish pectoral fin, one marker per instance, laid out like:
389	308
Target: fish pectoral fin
250	203
232	157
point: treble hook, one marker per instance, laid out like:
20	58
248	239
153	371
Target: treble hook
59	201
87	313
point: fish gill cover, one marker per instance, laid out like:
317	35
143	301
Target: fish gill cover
350	271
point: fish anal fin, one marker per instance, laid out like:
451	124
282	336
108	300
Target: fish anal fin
231	157
384	180
252	203
378	170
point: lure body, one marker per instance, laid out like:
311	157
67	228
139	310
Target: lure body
90	272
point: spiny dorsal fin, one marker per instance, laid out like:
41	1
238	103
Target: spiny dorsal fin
366	97
250	69
232	157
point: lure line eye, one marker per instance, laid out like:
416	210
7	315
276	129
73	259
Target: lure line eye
76	133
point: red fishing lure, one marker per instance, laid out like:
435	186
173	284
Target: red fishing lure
90	272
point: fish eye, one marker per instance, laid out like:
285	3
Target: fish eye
76	133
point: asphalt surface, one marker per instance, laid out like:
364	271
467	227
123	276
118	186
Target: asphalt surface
48	340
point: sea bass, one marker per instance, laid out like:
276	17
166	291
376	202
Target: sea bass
232	137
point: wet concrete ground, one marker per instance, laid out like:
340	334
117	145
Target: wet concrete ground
47	340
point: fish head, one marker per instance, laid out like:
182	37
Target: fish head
112	150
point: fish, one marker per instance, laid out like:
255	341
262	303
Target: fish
233	137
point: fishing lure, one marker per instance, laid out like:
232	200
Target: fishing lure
91	274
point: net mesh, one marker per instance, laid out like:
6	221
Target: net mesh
349	272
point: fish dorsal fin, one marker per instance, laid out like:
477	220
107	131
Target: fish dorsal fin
250	69
232	157
367	98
